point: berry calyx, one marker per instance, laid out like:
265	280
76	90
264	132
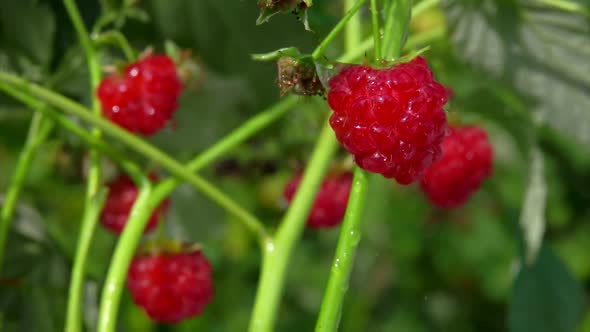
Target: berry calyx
171	285
331	199
467	158
144	98
391	120
121	196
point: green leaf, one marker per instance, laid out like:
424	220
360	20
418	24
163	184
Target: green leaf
545	297
542	51
532	217
27	28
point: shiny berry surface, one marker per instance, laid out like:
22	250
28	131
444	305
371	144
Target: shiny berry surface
467	158
390	120
121	196
330	203
144	98
171	287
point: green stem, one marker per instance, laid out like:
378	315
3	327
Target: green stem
172	165
277	253
74	309
63	121
319	51
376	30
350	235
352	32
128	241
396	28
92	204
116	38
38	131
423	6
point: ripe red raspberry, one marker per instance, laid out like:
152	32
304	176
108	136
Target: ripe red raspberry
144	98
465	163
391	120
171	286
330	202
121	196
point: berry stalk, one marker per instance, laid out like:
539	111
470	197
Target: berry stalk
319	51
350	236
38	131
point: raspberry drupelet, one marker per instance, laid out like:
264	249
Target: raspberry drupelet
391	120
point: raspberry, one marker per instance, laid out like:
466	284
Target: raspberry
465	163
171	286
121	196
144	98
330	202
391	120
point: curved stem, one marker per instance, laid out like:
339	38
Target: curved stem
128	241
116	38
172	165
74	309
350	236
277	253
38	131
92	205
319	51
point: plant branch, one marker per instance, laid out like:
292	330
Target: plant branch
319	51
74	309
38	131
350	236
172	165
114	37
126	247
376	30
277	254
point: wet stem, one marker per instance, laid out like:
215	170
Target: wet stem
276	250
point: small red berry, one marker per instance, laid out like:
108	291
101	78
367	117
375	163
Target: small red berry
121	196
171	286
391	120
330	203
144	98
466	161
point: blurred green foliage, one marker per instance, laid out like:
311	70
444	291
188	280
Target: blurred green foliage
418	269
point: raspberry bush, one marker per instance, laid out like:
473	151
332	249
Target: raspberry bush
262	130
